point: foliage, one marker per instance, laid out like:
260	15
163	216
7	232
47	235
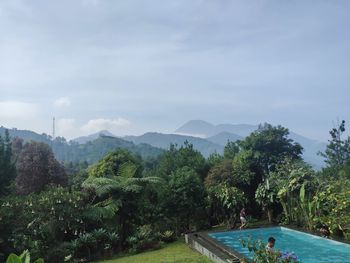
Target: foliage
41	222
23	258
7	165
116	188
334	207
337	153
176	158
261	255
231	150
143	239
186	199
95	244
37	167
270	146
214	159
168	236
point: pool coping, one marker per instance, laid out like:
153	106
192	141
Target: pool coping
230	252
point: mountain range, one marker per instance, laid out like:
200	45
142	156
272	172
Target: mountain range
205	137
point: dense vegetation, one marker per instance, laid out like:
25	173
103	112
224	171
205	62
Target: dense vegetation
82	212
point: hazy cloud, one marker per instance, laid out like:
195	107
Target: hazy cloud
116	126
66	127
62	102
18	110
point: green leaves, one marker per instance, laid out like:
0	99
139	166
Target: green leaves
23	258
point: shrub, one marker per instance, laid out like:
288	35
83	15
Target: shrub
144	239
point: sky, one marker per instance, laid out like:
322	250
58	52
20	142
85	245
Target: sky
151	65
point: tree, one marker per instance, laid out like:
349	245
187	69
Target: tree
116	186
226	184
7	165
337	153
270	146
186	200
266	148
176	158
231	149
37	167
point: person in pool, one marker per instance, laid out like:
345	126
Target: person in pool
324	230
270	245
243	218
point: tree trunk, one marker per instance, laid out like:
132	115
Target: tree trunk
270	214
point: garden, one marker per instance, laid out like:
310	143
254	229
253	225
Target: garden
124	205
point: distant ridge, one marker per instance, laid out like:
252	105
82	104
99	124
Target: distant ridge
208	130
221	133
90	151
163	141
223	137
94	136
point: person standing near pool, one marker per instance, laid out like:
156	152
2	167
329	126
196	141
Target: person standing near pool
243	217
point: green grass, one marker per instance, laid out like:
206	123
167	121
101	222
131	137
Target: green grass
177	252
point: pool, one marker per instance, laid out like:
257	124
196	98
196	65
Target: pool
309	248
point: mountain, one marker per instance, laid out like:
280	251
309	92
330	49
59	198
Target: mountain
163	141
223	137
221	133
94	136
26	135
205	129
91	151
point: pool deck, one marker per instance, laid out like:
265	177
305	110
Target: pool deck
209	247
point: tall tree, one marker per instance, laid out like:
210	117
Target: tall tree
337	153
186	200
37	167
179	157
266	148
7	165
270	146
116	186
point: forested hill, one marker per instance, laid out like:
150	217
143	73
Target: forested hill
90	151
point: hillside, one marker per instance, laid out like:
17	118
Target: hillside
164	140
223	137
91	151
94	136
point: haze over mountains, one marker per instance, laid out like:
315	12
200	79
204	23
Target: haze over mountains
209	138
205	137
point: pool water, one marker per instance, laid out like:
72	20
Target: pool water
309	248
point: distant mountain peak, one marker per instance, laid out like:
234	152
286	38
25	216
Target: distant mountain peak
94	136
206	129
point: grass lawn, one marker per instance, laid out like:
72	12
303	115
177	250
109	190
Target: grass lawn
177	252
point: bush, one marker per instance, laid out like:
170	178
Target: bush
168	236
42	222
144	239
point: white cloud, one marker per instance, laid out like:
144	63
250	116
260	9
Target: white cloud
65	127
18	110
62	102
116	126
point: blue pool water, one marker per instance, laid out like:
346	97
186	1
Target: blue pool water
308	248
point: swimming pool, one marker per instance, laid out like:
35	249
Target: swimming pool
309	248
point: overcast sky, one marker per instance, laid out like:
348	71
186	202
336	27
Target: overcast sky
136	66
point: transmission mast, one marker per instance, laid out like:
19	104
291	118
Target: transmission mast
53	128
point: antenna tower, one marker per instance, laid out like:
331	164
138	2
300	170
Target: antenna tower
53	128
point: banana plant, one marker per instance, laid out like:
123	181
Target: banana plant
23	258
